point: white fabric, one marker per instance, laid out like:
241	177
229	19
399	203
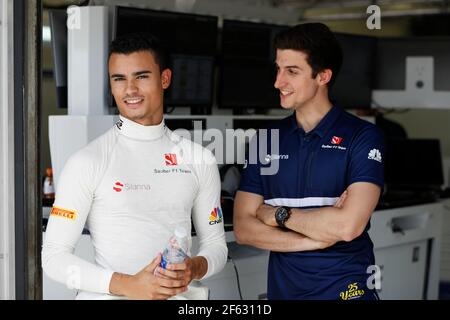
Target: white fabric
128	228
301	202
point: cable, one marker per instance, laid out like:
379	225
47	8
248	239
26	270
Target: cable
237	278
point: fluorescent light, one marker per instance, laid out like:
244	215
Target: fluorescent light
46	34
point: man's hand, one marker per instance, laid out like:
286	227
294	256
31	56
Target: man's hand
190	269
145	285
340	202
266	213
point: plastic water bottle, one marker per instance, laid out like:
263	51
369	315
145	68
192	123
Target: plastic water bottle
177	248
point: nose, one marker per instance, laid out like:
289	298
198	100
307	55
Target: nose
131	88
279	80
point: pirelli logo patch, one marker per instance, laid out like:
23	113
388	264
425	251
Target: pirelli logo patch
63	213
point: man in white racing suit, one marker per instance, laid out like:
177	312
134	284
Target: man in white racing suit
132	187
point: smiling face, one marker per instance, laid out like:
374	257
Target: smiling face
138	85
295	82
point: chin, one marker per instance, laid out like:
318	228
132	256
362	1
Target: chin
133	115
287	107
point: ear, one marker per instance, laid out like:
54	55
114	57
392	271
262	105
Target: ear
166	77
324	76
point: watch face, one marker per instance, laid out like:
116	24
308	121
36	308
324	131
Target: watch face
281	215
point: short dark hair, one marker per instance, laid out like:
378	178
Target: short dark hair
134	42
318	42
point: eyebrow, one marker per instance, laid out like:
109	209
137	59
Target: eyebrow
292	67
289	67
138	73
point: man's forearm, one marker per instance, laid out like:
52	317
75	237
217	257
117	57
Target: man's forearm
327	224
255	233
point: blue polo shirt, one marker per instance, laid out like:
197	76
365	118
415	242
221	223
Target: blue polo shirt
314	169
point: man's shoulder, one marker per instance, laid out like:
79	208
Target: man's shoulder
356	124
96	150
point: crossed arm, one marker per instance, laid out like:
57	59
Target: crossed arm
254	221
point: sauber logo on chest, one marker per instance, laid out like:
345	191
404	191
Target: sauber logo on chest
171	159
336	140
119	187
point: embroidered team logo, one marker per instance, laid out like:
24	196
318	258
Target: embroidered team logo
171	159
119	124
375	154
336	140
118	187
352	292
215	216
63	213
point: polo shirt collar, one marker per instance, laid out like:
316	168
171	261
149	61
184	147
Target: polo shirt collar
323	126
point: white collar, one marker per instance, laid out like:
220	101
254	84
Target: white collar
135	130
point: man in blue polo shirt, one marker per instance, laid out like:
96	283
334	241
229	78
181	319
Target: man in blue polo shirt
318	251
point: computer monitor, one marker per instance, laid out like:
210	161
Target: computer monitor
413	164
354	83
191	41
248	72
391	61
58	29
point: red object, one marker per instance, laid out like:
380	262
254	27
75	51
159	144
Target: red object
171	159
118	187
336	140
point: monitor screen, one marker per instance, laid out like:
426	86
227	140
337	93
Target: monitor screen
391	61
247	65
353	86
413	163
191	41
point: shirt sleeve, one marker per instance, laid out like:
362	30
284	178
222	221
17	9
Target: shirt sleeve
208	219
74	195
251	175
367	157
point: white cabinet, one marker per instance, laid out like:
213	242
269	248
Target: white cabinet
402	271
407	245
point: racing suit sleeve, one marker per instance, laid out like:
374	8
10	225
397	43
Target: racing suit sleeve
207	217
74	195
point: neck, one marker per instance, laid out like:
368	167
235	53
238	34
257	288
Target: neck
151	120
133	129
309	115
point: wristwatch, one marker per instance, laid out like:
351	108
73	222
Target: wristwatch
281	215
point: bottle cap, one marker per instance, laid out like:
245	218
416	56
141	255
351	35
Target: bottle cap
180	232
